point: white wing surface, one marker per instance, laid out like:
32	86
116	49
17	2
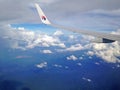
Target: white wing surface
105	37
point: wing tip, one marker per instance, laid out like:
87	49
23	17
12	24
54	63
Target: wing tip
42	16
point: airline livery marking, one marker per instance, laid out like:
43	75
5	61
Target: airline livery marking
43	18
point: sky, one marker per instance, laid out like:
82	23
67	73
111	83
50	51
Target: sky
102	15
62	11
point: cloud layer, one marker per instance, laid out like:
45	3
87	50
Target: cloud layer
98	15
20	38
58	10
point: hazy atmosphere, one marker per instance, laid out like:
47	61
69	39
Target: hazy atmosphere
34	56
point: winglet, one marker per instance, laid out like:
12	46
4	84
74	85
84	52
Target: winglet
42	15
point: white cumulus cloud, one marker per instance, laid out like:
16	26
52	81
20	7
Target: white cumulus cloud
90	53
47	51
72	57
87	79
108	52
58	33
26	39
75	47
42	65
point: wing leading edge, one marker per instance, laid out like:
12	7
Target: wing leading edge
106	37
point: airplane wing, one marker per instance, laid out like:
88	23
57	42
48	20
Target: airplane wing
102	37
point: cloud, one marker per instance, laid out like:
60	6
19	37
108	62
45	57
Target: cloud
79	64
65	10
81	58
25	12
87	79
71	37
115	12
47	1
108	52
47	51
75	47
60	66
118	66
60	11
56	65
90	53
12	12
116	32
58	33
20	38
93	4
21	56
61	45
97	63
66	67
42	65
72	57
